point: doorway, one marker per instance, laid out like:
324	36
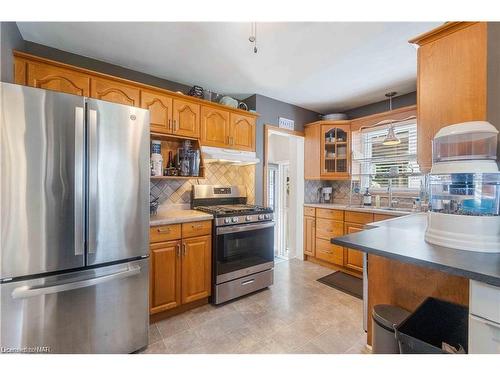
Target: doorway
284	189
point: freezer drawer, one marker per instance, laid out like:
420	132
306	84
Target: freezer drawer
102	310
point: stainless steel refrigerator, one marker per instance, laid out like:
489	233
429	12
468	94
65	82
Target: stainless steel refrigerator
74	223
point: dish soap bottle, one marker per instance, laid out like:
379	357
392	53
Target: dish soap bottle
367	198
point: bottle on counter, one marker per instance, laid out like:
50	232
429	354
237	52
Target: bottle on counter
367	198
377	201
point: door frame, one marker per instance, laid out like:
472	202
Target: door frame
268	129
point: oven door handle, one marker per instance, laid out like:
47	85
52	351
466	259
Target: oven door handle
244	227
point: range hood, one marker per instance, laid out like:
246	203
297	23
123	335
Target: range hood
228	156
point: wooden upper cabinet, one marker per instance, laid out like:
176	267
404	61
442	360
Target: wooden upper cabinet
196	268
242	132
353	259
451	81
50	77
114	91
214	127
335	151
160	110
165	276
311	152
186	118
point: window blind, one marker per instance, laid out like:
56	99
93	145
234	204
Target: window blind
372	161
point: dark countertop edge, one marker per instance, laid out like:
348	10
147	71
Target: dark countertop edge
419	262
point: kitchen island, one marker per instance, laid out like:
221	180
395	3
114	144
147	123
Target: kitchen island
403	269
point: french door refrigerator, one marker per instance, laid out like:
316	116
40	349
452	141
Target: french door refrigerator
74	223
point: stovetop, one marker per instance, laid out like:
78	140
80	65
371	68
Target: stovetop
234	209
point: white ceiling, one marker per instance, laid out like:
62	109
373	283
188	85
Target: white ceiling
321	66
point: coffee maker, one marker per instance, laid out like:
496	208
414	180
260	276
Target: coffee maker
188	160
325	194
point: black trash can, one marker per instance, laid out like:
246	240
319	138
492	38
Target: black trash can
432	323
385	318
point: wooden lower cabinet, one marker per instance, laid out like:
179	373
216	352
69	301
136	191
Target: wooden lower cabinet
165	276
181	268
353	259
309	235
196	268
329	252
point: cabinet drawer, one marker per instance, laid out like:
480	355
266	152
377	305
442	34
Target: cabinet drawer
309	211
358	217
381	217
327	229
329	252
484	336
485	301
196	228
164	233
324	213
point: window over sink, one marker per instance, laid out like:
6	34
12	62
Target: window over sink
374	164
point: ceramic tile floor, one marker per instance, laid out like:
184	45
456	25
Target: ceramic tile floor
295	315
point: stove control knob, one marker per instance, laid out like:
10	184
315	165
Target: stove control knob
227	220
248	218
234	219
267	216
261	217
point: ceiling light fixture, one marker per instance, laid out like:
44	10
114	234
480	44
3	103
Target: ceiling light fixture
253	36
390	138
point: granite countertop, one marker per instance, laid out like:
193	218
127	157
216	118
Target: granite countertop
177	216
402	239
335	206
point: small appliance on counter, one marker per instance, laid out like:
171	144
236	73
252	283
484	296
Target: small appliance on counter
325	194
464	188
188	160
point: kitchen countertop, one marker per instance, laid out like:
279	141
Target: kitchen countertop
177	216
334	206
402	239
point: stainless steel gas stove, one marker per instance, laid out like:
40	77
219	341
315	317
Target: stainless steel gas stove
243	241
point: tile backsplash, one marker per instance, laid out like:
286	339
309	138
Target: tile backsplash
179	191
341	191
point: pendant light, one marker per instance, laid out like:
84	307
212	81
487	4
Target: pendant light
390	138
253	36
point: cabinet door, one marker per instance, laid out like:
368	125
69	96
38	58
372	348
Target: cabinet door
165	276
312	151
309	235
214	127
451	84
50	77
186	118
353	259
196	268
160	111
335	150
114	91
242	132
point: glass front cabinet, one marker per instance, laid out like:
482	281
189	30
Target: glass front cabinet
335	139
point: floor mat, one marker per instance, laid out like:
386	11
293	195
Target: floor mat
345	283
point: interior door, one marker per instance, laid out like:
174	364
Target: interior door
41	188
118	182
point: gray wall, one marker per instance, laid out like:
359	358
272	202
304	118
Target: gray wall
382	106
100	66
270	109
10	38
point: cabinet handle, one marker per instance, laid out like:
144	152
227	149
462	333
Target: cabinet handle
183	249
178	250
166	230
175	125
228	140
169	123
197	226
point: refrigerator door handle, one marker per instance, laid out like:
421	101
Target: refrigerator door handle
79	181
92	185
27	292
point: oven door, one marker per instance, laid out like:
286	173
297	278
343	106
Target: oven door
242	250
